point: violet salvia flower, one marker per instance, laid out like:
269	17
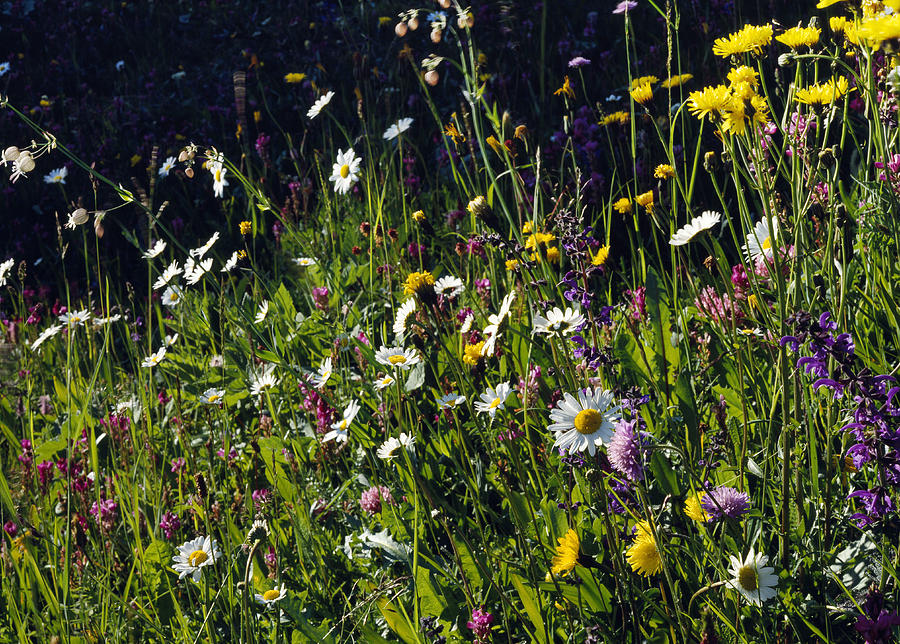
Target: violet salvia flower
725	502
624	451
481	625
876	624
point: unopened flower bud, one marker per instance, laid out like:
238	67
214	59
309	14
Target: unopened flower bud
786	59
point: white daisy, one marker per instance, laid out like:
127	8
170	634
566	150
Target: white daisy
761	240
171	271
492	330
6	270
558	322
45	335
449	286
408	441
202	250
323	374
493	400
195	555
75	318
231	262
396	129
269	597
213	396
752	578
586	422
345	171
397	357
262	313
406	309
154	358
4	67
467	324
109	319
154	251
304	261
263	381
383	383
57	176
450	401
319	105
388	449
172	296
339	430
705	221
167	166
169	340
197	270
219	181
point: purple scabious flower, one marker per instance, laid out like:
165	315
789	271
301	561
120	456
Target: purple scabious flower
624	451
625	6
481	625
725	502
579	61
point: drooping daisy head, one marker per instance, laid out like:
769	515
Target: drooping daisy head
340	430
699	224
752	578
396	129
400	322
450	401
195	555
384	382
319	105
585	422
449	286
397	357
213	396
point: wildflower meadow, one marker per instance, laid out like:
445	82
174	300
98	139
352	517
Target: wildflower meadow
516	322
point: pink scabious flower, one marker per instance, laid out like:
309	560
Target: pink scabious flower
716	307
480	624
371	499
624	451
725	503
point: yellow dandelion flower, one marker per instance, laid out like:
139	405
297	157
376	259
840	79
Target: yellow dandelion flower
822	93
599	258
294	77
616	118
877	30
709	101
643	556
532	241
643	80
566	557
454	133
823	4
838	23
472	353
742	91
676	81
418	216
623	205
512	264
553	255
749	40
566	89
418	283
734	117
495	144
245	227
797	37
743	75
664	171
642	94
694	510
645	200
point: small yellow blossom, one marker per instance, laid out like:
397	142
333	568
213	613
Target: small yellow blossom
418	283
743	75
709	101
664	171
599	258
642	94
553	255
566	89
623	205
797	37
616	118
567	553
512	264
527	227
748	40
643	80
877	30
495	144
454	134
418	216
643	556
645	200
534	240
472	353
245	227
823	93
694	510
294	77
676	81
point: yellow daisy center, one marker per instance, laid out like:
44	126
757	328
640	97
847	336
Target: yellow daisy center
197	558
747	578
496	402
767	244
345	171
271	595
397	359
588	421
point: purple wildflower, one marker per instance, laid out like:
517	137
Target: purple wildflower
624	451
725	502
169	524
371	499
481	625
876	623
320	297
625	6
579	61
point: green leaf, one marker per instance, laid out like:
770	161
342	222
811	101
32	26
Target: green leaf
416	377
433	603
530	603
